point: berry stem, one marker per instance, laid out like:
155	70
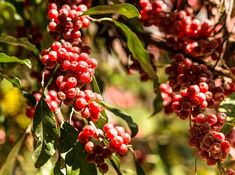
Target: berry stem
71	115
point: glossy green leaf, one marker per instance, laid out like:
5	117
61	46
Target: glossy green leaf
137	50
68	137
124	9
45	133
76	158
11	59
23	42
132	125
9	164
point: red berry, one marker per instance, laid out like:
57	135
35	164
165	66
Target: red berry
211	119
123	149
83	138
72	82
53	14
89	131
112	132
80	103
116	142
52	56
89	146
126	138
120	130
107	127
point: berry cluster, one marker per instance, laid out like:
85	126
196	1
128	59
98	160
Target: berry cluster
194	90
88	103
206	138
66	20
184	73
192	87
51	99
187	33
74	69
191	100
72	58
113	140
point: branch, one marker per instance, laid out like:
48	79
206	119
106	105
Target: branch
163	45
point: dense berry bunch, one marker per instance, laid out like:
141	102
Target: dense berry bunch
72	58
191	100
73	69
66	21
187	33
87	102
51	99
184	73
206	138
113	140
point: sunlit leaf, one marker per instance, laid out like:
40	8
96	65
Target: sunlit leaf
45	133
12	59
124	9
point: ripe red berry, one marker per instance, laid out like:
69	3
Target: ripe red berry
89	131
123	149
116	142
111	133
89	146
126	138
107	127
80	103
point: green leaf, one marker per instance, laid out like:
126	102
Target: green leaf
157	104
132	125
139	170
137	50
9	164
76	158
68	137
23	42
95	86
16	82
104	117
227	128
58	165
124	9
31	99
228	107
45	133
11	59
